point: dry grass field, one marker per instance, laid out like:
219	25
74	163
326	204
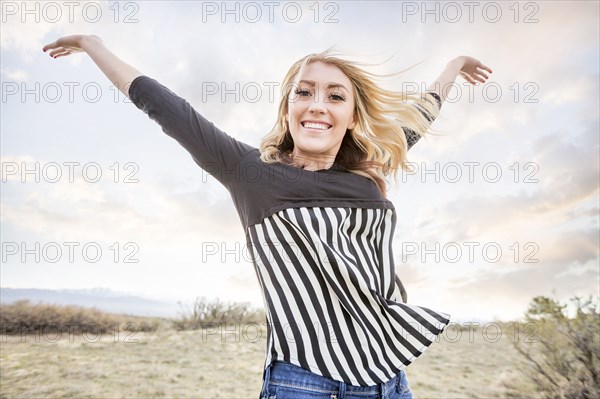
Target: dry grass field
194	364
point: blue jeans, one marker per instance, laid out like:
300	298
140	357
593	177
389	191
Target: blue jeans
283	380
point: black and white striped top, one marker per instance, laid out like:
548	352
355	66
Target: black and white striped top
321	244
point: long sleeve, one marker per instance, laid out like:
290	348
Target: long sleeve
411	136
212	149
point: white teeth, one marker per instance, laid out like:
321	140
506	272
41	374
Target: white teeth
313	125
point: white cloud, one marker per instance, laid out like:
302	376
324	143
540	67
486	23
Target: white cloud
15	74
83	210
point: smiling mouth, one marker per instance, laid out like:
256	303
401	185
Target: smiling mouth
316	126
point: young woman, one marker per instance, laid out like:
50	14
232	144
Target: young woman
312	200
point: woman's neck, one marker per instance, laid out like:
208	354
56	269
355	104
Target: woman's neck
311	162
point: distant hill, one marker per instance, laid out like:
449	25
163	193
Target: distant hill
100	298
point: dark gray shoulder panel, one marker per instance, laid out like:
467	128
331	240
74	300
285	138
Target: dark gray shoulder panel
262	189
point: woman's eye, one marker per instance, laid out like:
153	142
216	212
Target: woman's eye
302	92
337	97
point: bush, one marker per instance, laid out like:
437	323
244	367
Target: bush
204	312
564	358
23	317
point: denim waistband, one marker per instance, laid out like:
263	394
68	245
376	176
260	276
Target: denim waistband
287	374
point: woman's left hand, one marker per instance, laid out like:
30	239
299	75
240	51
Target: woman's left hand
472	70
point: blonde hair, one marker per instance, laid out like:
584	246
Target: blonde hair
377	145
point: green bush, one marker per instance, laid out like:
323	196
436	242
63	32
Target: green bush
563	354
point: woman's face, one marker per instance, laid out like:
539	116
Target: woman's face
320	110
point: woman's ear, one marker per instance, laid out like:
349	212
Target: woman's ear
352	123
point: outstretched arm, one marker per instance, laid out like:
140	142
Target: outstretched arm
116	70
212	149
469	68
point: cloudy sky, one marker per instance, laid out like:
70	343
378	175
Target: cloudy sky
503	204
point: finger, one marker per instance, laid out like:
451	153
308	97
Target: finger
481	75
467	78
56	51
477	76
61	54
471	80
48	46
486	68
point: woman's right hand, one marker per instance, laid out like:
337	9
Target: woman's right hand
68	45
116	70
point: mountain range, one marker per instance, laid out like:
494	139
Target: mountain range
102	299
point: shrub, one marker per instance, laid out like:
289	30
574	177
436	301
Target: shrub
23	317
204	312
564	358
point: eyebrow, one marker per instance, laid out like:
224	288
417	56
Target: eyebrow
329	85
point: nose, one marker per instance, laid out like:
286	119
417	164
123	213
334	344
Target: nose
318	104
